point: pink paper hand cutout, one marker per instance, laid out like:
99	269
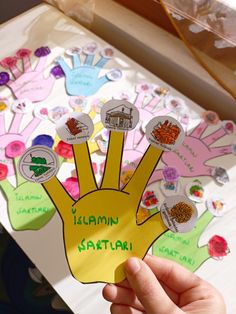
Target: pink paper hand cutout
190	158
29	83
12	135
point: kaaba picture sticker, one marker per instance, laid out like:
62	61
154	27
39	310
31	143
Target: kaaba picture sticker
165	133
75	128
179	214
119	115
38	164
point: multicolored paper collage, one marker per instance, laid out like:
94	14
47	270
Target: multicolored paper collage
124	163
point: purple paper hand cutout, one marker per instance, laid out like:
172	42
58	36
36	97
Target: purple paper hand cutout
29	83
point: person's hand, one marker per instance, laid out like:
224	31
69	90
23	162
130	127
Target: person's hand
160	286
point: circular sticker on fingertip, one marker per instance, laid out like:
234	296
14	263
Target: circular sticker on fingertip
73	51
175	104
107	52
169	188
210	117
75	128
119	115
165	133
55	113
114	75
22	106
38	164
179	214
90	48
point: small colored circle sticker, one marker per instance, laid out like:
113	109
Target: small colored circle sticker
38	164
149	199
210	117
90	48
195	191
75	128
119	115
175	104
107	52
165	133
217	206
179	214
73	51
41	111
114	75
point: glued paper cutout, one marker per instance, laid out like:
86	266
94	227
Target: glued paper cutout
195	191
38	164
100	229
170	188
165	133
217	206
75	128
29	207
178	214
29	83
119	115
184	248
22	106
83	79
14	134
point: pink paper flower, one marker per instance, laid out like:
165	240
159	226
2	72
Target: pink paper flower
15	149
8	62
72	187
218	247
21	53
64	150
3	171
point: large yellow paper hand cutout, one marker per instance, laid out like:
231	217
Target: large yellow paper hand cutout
100	229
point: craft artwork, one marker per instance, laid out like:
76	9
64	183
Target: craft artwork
29	207
186	158
184	248
83	79
14	134
100	228
29	83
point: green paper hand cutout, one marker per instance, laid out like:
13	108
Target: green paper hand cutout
29	207
183	248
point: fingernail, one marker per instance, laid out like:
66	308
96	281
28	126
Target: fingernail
132	266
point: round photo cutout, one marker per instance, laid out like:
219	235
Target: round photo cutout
119	115
38	164
165	133
75	128
179	214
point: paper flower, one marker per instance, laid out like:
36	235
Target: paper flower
64	150
8	62
15	149
43	139
218	247
42	52
72	187
57	71
21	53
4	78
3	171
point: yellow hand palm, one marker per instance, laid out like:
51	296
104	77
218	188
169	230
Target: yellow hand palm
100	229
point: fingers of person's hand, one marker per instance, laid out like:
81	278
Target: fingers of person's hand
172	274
120	295
148	289
123	309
